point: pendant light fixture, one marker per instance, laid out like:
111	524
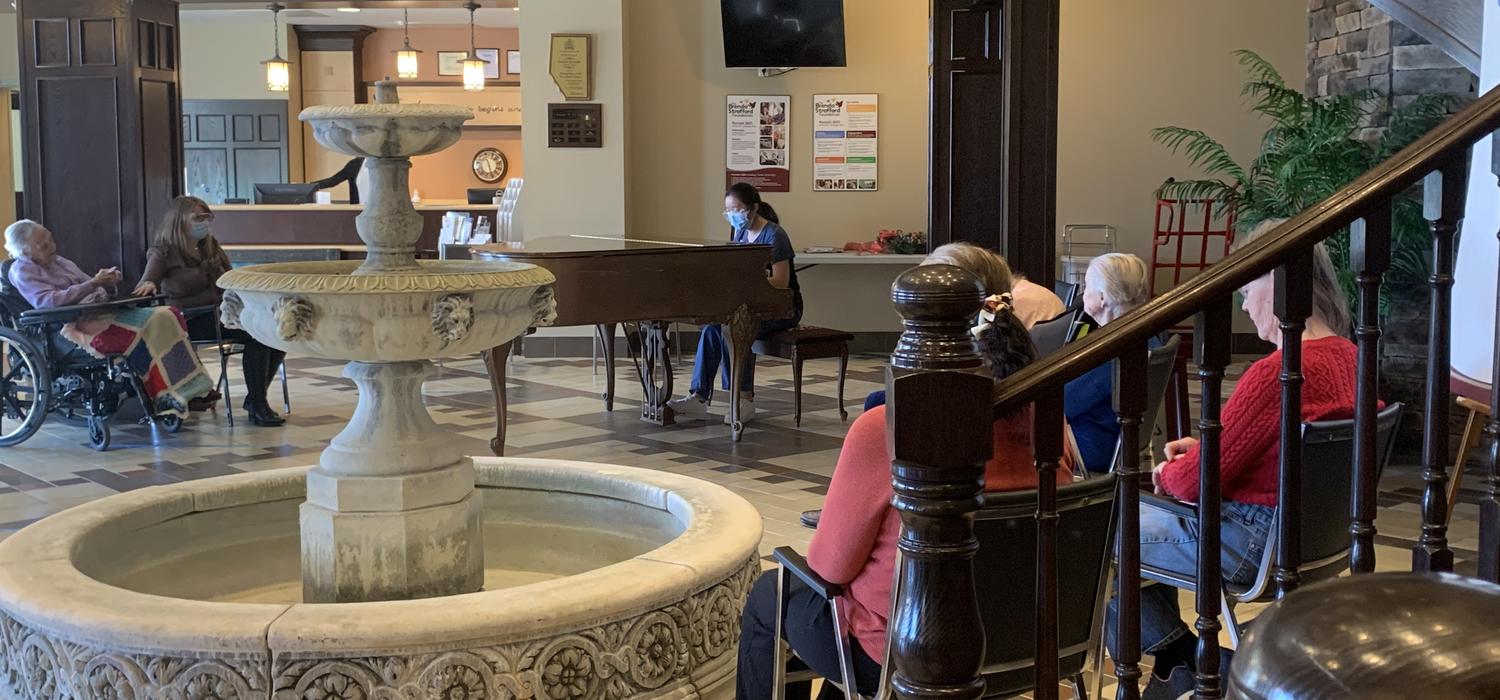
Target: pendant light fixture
406	56
278	69
473	65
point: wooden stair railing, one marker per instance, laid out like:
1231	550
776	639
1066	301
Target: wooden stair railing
936	642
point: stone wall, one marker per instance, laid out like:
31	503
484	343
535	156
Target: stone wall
1352	46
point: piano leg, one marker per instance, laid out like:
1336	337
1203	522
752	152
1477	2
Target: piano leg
741	327
496	360
656	373
606	335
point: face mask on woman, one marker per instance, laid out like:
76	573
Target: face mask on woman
200	230
737	218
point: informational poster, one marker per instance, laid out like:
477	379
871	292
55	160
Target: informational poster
759	141
845	142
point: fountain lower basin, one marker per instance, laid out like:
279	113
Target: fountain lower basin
602	581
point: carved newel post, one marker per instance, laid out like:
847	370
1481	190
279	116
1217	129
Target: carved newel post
939	425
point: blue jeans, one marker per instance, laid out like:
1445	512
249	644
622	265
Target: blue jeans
1170	542
714	350
876	398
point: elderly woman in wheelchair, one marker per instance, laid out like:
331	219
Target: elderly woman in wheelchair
72	349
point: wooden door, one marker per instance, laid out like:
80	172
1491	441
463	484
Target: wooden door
327	79
994	128
231	145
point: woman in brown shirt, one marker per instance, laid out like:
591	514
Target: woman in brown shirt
183	264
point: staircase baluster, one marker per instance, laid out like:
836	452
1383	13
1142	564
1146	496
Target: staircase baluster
1442	206
941	429
1294	286
1047	448
1212	331
1129	404
1369	258
1489	508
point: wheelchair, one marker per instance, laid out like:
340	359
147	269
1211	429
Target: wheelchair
42	373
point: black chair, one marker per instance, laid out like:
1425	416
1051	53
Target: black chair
1069	293
43	373
1327	477
1051	335
227	349
1158	372
1005	570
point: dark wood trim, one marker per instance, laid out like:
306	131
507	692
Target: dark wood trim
447	83
993	110
331	37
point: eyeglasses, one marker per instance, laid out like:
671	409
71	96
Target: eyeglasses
734	209
201	217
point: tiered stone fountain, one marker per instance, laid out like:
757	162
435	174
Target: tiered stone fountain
416	572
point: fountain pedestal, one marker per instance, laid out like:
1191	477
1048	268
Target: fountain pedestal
391	511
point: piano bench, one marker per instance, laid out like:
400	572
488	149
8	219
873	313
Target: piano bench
807	343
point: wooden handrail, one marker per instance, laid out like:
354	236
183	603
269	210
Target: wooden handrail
1378	187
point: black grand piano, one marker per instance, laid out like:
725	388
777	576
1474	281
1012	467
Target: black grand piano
604	282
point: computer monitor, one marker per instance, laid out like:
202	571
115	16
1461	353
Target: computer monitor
483	195
285	193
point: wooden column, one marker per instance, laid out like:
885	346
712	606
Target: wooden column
994	129
1489	507
1442	206
938	421
1294	290
1369	258
1212	333
1129	401
102	124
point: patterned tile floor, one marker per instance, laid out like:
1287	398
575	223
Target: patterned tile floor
556	412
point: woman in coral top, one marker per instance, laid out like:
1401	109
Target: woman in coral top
855	544
1249	468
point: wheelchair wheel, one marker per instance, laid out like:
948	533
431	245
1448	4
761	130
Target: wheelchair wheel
25	388
99	433
171	423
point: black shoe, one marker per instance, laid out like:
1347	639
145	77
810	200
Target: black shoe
1177	684
262	415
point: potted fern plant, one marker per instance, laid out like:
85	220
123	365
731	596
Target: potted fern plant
1310	151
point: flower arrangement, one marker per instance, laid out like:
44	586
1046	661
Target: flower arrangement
897	242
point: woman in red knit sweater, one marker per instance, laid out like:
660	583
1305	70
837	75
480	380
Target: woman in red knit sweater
1249	468
855	544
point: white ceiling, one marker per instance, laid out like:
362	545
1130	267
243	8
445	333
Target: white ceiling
327	13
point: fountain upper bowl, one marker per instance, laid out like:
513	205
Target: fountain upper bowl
386	130
435	309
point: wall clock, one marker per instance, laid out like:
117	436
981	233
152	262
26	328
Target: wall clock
490	165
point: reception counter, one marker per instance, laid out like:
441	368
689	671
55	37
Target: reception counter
322	225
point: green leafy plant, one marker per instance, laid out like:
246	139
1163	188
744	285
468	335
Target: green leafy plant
1310	151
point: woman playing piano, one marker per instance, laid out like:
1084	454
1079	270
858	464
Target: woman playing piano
754	222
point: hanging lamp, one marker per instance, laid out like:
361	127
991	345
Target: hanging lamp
473	65
278	69
406	56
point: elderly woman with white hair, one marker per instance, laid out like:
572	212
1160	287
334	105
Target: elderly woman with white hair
152	340
1114	284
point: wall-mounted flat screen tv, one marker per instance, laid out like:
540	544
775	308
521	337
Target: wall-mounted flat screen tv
783	33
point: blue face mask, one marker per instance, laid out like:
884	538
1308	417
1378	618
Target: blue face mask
200	230
740	220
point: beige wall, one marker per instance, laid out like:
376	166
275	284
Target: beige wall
449	173
1127	67
327	79
380	59
574	190
678	90
221	56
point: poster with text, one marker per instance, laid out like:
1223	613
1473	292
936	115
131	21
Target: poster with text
759	141
845	139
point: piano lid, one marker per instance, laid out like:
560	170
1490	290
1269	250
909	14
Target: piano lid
583	244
